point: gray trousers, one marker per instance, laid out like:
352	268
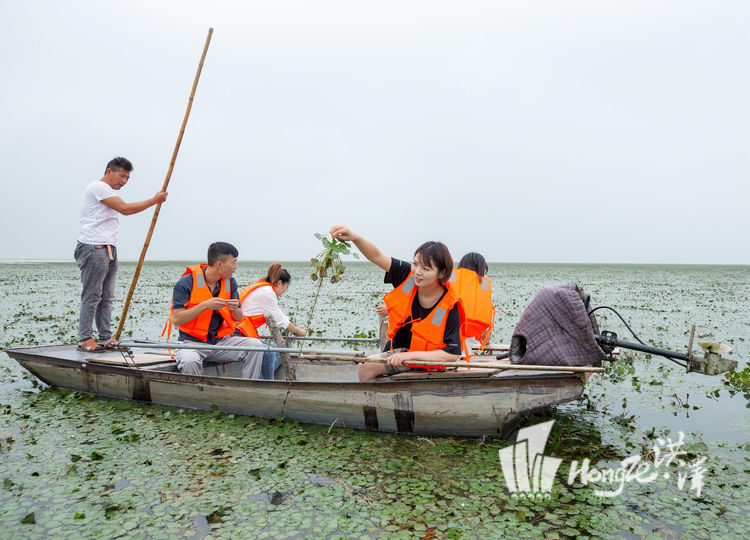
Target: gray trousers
98	278
190	361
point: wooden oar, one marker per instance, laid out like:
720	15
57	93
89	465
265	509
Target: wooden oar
164	188
382	358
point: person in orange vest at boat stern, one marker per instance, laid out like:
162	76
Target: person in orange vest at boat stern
206	309
260	302
425	315
96	250
475	290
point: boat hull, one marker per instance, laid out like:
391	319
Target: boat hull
466	407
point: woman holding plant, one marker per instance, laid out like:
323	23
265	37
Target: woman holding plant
424	316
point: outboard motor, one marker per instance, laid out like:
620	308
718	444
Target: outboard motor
558	328
555	329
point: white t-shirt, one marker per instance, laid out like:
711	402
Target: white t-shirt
99	223
263	301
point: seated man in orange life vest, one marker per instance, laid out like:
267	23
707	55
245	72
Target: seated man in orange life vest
207	310
425	315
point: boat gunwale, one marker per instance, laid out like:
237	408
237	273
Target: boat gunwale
21	354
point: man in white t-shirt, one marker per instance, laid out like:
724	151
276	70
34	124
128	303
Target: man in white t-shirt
96	250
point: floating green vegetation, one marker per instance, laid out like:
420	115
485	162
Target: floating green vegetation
738	380
74	465
194	472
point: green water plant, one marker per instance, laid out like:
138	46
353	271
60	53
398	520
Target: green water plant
328	263
738	381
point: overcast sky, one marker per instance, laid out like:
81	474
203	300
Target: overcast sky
530	131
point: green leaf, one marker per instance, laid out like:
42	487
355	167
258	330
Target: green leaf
217	515
96	456
79	515
29	519
110	511
75	457
395	464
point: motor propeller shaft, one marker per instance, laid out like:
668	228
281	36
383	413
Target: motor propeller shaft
710	364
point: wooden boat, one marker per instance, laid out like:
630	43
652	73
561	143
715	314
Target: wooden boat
469	403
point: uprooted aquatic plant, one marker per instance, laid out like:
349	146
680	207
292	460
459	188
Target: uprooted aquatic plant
328	263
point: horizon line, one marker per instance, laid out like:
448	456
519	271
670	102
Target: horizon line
72	261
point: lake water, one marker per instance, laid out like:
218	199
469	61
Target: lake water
89	466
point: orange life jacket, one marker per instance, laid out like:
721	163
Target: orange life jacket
256	320
198	327
426	334
476	296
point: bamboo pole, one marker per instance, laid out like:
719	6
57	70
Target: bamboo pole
343	340
164	188
358	357
380	359
239	348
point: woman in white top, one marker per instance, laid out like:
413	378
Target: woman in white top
260	302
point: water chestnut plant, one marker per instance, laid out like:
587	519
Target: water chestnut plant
328	262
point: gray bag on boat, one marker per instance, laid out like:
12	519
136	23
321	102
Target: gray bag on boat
556	330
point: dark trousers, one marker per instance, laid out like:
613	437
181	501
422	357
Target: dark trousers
98	278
